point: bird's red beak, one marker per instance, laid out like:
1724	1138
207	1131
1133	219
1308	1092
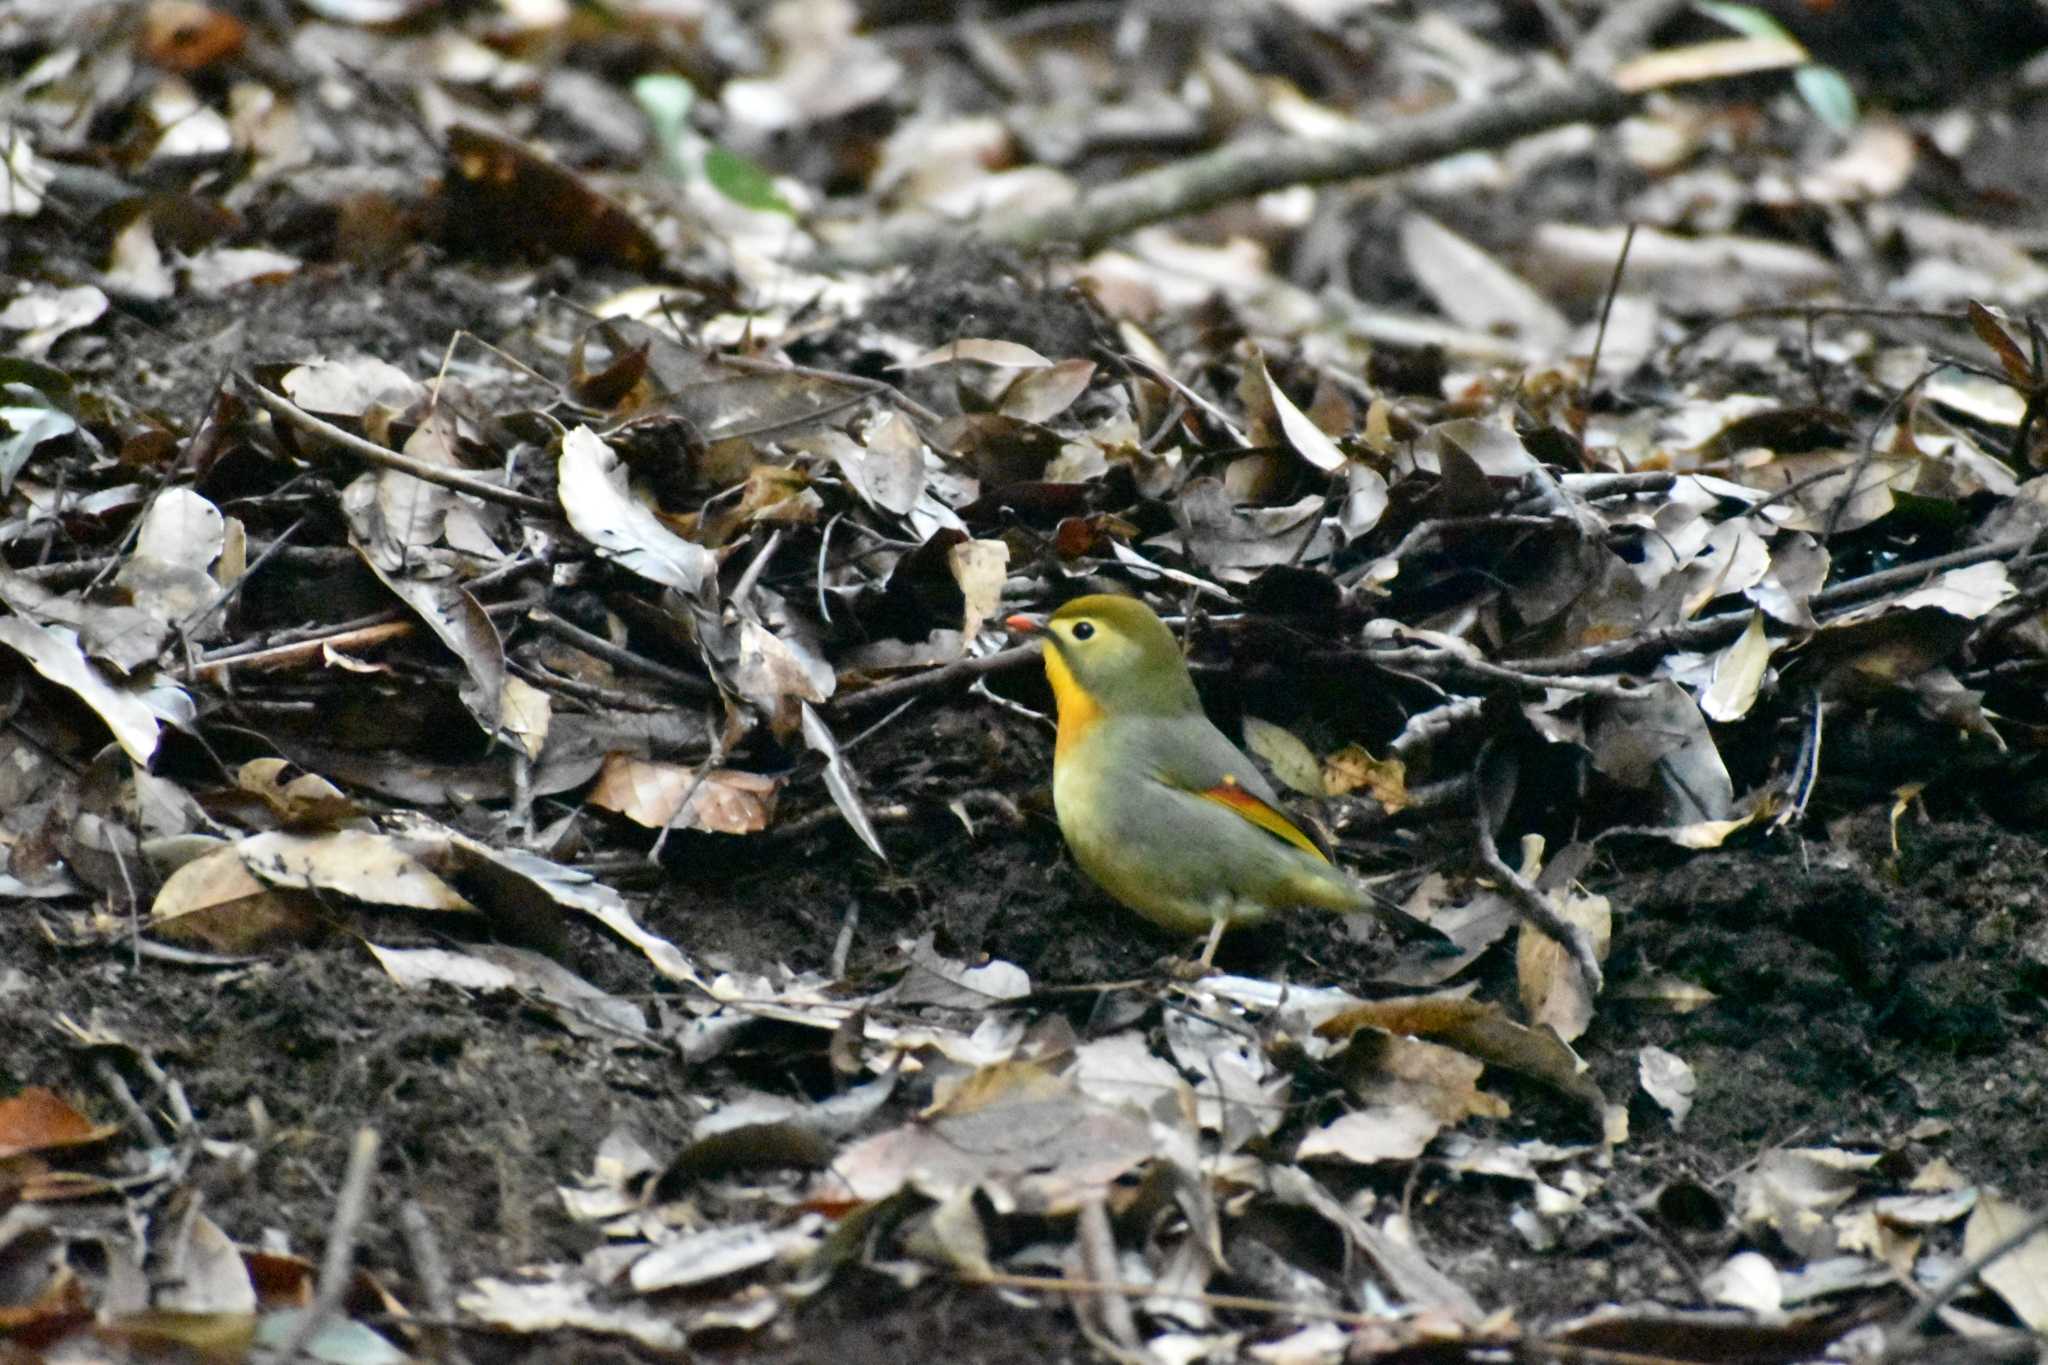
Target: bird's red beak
1024	623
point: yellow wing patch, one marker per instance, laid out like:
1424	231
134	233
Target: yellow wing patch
1229	793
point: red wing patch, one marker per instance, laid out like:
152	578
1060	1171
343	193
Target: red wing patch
1229	793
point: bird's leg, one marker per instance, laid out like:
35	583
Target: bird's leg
1215	937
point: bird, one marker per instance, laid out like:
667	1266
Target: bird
1156	804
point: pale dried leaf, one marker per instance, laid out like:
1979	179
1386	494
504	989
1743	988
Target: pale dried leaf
984	350
370	867
1668	1080
1039	395
591	483
1290	760
54	653
979	567
2020	1277
841	782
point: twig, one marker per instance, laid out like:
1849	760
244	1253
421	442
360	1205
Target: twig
337	1264
1897	1340
1253	166
1521	895
1428	659
117	1086
1719	630
371	453
1097	1245
953	674
1628	240
306	651
1593	487
437	1287
689	684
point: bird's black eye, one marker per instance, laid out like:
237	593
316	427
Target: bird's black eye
1083	629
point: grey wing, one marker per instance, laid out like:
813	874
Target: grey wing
1210	761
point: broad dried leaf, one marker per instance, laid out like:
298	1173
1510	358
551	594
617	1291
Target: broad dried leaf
591	482
890	470
1665	993
524	714
460	622
38	1119
1658	741
1479	1029
2012	357
652	793
1235	543
1396	1132
979	567
1290	759
1351	768
124	637
1029	1138
375	868
1552	989
1668	1080
1712	60
1303	436
215	902
582	1008
2021	1276
212	1278
55	654
1739	672
44	314
934	979
1477	291
1040	395
305	800
702	1257
351	387
986	351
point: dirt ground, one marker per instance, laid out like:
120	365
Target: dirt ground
1865	999
1876	974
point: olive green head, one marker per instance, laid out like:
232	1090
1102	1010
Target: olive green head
1120	656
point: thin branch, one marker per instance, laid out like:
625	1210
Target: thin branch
1710	631
1522	896
689	684
1899	1340
952	675
370	452
337	1264
1257	165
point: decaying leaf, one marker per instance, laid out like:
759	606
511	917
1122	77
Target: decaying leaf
1480	1030
1552	988
2021	1276
676	796
592	486
38	1119
1668	1080
54	652
1015	1130
840	780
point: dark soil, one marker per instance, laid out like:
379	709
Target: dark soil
1861	995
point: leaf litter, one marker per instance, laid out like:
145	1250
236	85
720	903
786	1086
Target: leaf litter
559	673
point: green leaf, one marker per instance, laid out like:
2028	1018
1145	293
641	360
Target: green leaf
741	181
1747	20
1828	95
1822	87
667	101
